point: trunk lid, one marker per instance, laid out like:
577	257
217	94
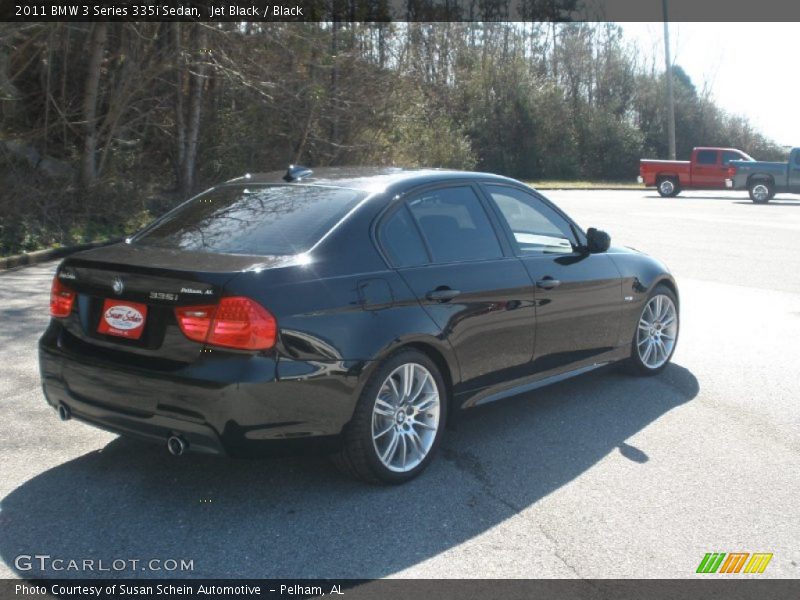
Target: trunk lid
154	278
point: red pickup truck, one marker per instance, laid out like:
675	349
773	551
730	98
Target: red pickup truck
707	170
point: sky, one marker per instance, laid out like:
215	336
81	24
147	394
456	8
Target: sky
748	68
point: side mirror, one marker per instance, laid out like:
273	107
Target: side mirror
597	241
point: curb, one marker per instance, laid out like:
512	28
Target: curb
562	188
40	256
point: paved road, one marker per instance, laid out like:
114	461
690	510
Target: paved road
602	476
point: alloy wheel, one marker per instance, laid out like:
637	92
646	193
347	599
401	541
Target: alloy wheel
760	192
658	331
405	417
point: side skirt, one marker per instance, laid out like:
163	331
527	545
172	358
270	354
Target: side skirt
535	385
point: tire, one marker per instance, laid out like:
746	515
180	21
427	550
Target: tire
761	191
663	334
377	421
668	187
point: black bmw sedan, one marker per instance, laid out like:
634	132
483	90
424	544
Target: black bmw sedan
352	310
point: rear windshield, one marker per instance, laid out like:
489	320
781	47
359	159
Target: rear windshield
260	220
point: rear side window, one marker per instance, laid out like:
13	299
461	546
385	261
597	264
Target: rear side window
401	241
455	225
260	220
707	157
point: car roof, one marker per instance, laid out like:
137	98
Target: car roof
371	179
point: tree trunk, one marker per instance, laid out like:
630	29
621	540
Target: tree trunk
195	102
334	133
97	43
180	118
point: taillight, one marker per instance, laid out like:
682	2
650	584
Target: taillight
62	298
236	322
195	321
242	323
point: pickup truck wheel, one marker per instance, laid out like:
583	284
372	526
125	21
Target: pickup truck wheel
667	188
761	192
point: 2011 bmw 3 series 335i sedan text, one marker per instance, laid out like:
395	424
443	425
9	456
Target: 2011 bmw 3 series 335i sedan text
351	310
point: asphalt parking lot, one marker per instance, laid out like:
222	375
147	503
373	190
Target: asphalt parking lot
602	476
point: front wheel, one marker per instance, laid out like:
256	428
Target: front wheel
668	188
761	192
656	333
398	421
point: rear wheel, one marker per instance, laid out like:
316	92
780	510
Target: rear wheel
761	191
668	187
656	333
398	421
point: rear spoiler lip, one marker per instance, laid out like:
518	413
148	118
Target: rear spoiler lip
156	261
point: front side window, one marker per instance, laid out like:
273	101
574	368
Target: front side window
728	156
537	228
256	219
707	157
455	225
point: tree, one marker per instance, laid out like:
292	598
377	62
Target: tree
97	43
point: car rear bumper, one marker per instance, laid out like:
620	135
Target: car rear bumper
155	428
231	404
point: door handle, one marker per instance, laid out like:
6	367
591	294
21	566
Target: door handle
442	294
548	283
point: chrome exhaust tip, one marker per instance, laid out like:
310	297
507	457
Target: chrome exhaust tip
64	413
176	445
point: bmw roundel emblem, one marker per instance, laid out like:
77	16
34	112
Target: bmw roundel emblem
118	286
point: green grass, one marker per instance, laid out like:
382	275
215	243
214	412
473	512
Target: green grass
585	185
